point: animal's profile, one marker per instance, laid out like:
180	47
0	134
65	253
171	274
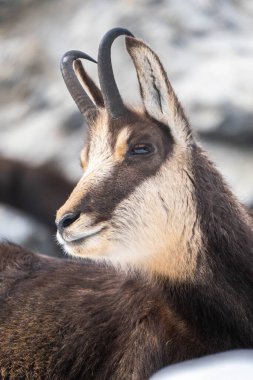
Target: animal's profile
167	273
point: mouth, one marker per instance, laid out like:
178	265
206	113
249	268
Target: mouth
80	238
85	237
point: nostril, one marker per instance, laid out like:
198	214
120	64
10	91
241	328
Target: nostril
67	220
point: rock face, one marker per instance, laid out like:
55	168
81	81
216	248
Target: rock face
26	231
206	47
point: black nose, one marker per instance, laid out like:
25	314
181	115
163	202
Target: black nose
67	220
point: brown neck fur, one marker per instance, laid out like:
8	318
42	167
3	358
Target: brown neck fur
221	295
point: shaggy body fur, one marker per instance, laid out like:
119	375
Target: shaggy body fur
62	319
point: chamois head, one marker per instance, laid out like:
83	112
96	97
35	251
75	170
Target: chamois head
148	195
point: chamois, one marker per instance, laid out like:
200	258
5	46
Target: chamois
167	269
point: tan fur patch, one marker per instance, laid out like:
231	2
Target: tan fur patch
121	146
83	157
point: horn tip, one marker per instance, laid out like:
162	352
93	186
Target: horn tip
73	55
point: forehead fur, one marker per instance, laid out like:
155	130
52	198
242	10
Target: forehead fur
107	135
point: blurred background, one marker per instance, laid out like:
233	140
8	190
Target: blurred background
206	47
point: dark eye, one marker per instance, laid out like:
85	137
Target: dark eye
141	149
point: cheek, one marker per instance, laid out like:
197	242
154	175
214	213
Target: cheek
136	214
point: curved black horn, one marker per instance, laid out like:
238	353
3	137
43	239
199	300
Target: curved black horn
77	92
112	99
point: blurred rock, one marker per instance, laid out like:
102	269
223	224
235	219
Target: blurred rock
18	228
235	163
21	63
236	127
72	122
221	103
10	9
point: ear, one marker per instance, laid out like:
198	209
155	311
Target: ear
88	83
158	96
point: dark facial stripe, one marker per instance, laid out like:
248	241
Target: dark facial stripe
103	199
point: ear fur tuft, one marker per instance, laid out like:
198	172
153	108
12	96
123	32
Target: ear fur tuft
158	96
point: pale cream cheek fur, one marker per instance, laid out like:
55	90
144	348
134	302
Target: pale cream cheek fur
155	225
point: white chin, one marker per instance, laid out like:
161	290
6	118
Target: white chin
60	239
62	243
92	247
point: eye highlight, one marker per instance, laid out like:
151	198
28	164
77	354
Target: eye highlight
141	149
